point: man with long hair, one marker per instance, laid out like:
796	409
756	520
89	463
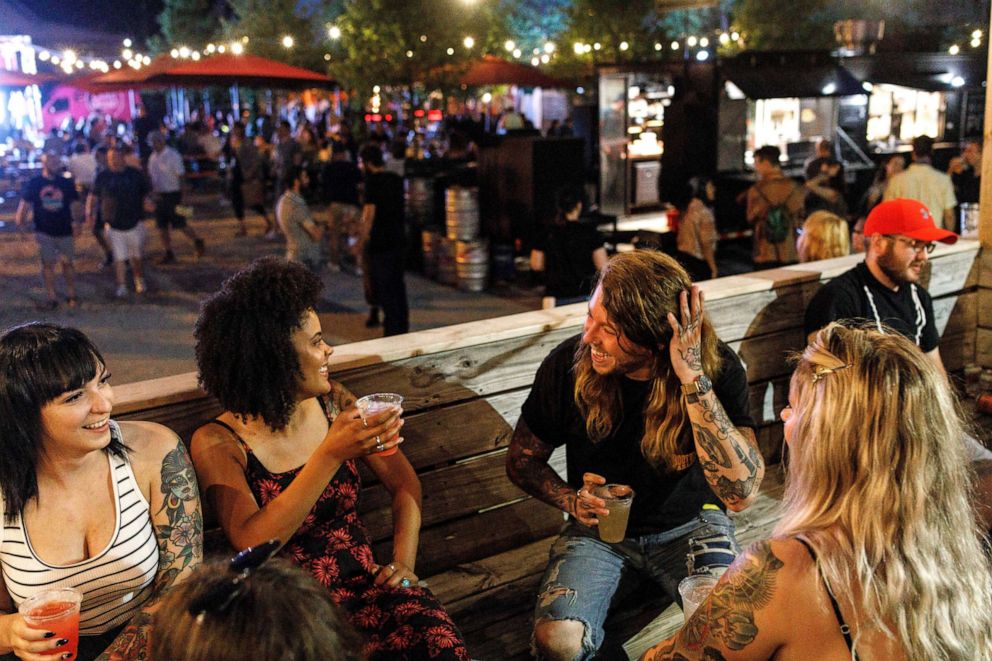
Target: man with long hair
646	396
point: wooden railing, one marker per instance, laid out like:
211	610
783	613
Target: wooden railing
484	542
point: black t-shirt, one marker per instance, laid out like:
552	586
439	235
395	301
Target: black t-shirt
662	500
341	179
856	294
568	267
50	199
385	191
121	196
967	186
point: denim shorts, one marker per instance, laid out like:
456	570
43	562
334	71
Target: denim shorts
583	572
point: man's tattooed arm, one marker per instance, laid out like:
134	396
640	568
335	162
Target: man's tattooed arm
729	456
178	526
725	622
527	467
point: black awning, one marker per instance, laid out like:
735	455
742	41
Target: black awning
787	75
935	72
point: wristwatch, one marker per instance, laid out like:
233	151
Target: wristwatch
697	388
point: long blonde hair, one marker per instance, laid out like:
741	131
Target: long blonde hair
825	235
639	289
879	483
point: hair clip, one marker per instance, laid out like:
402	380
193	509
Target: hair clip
821	371
241	566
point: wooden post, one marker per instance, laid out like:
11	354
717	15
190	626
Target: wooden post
983	342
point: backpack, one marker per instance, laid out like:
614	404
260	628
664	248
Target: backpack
778	221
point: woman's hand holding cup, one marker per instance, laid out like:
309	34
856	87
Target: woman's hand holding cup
351	437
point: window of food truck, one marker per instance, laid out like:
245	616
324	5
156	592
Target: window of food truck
791	124
898	114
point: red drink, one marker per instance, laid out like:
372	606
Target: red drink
56	611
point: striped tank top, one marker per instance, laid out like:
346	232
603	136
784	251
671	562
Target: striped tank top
115	582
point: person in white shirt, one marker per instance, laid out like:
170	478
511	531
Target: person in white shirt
165	169
922	182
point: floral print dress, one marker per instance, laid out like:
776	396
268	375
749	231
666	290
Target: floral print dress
334	546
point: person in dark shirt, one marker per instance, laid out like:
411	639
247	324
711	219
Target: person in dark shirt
569	252
647	396
341	178
51	196
385	245
884	292
122	195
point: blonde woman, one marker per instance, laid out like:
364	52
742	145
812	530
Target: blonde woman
877	555
824	235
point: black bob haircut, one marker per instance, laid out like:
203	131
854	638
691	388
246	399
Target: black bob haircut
38	362
244	348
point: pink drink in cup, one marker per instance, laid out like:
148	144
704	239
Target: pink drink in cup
56	611
372	405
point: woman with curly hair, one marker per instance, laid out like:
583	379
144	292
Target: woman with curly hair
281	461
878	554
108	508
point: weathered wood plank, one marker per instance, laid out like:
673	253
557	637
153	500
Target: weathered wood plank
765	355
983	347
476	537
438	379
182	417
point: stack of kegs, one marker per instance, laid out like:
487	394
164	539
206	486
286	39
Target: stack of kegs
447	273
470	251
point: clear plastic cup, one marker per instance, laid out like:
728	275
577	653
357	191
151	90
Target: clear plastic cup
694	590
372	405
618	497
56	611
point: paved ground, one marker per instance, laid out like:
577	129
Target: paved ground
151	335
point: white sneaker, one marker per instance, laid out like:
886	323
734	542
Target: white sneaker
139	286
121	291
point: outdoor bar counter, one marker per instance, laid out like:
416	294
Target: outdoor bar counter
484	543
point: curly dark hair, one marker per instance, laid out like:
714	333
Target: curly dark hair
244	350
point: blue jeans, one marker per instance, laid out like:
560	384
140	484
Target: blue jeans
583	572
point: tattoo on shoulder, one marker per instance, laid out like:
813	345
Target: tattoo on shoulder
666	653
748	586
179	540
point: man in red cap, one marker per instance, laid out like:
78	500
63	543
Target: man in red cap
884	291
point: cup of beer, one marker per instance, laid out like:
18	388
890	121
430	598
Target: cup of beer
56	611
618	497
372	405
694	590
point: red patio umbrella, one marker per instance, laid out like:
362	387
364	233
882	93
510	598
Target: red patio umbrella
128	77
492	70
250	70
18	79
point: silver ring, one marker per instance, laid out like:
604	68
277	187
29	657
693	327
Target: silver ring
579	492
379	447
391	566
405	583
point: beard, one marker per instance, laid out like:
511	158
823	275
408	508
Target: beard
896	270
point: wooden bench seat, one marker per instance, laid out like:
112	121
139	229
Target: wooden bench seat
484	543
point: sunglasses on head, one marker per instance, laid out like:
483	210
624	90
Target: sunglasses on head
219	597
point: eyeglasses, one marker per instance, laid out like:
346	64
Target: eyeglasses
218	598
915	244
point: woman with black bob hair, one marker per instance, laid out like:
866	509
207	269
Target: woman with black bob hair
111	509
280	462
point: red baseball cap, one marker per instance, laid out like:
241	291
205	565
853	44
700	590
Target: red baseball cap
906	217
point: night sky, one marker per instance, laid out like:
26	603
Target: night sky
122	17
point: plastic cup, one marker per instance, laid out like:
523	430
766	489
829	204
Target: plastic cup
694	590
371	405
56	611
618	497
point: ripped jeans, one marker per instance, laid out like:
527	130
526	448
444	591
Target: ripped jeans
583	572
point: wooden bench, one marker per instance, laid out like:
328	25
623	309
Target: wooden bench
484	543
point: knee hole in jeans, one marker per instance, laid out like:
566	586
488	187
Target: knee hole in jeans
559	639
